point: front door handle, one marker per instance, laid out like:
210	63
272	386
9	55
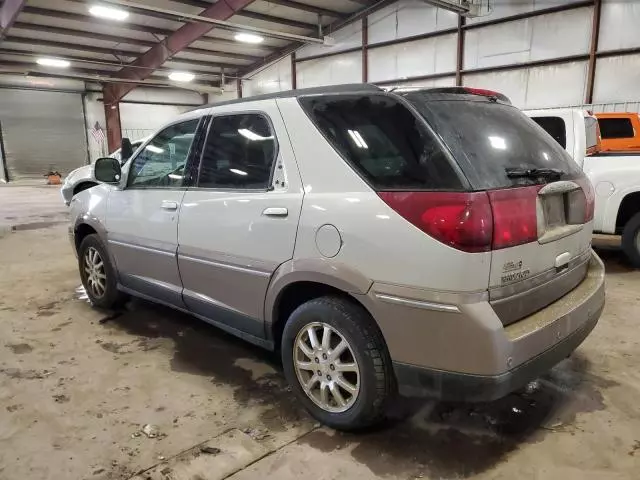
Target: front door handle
275	212
167	205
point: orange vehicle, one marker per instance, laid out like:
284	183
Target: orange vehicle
620	131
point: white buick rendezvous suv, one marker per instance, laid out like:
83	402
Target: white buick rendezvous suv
431	242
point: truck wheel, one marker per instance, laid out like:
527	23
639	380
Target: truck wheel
631	240
337	363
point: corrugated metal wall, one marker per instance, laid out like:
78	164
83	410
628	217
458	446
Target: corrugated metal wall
546	37
42	131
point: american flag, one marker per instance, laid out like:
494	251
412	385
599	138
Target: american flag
98	133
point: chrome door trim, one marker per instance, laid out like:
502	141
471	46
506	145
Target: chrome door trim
235	268
140	247
438	307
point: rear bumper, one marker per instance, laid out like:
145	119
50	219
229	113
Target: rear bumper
454	346
417	381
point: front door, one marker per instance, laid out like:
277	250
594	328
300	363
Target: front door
239	223
142	218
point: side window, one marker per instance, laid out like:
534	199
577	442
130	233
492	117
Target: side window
555	127
239	153
161	163
383	141
616	128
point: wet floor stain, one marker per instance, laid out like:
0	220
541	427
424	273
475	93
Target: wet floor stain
199	348
440	439
447	439
19	348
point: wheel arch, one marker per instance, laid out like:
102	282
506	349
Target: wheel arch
628	207
295	283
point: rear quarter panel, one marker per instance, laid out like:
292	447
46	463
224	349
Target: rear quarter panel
375	240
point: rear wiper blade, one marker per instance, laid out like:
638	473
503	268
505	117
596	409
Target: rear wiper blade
516	172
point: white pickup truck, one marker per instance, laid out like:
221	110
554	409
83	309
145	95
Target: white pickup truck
614	175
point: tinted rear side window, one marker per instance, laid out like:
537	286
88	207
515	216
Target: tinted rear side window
555	127
615	128
239	153
383	141
487	137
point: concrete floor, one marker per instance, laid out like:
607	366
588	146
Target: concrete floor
78	385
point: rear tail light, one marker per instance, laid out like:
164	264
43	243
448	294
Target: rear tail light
460	220
515	218
589	197
471	222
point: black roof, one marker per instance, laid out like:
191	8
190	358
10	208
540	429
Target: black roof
344	88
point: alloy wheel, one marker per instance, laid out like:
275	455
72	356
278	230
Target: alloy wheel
326	367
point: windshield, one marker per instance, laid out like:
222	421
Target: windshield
488	139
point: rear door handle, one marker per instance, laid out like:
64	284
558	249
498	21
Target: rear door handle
275	212
167	205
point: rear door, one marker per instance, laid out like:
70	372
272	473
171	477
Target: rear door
239	222
495	145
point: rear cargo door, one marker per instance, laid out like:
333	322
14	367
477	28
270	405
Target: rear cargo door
500	150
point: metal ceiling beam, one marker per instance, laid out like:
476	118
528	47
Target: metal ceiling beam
162	32
107	51
94	61
83	34
307	8
8	13
72	46
126	40
174	43
149	10
262	16
277	20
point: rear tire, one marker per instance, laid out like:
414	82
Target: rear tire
98	275
351	387
631	240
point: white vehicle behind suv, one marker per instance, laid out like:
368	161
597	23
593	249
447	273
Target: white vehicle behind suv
614	175
431	242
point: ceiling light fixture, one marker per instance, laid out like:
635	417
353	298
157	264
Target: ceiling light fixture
110	13
53	62
248	38
181	76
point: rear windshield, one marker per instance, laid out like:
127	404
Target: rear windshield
383	142
488	137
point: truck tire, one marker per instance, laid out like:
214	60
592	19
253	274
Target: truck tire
337	363
631	240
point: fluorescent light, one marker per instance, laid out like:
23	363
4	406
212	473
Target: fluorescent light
109	13
357	139
154	149
238	172
53	62
246	133
498	143
248	38
181	76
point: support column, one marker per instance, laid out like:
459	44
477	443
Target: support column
294	76
460	51
239	86
365	50
591	66
112	118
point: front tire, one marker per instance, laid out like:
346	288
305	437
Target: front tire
98	274
336	360
631	240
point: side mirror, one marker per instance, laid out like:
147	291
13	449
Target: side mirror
107	170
